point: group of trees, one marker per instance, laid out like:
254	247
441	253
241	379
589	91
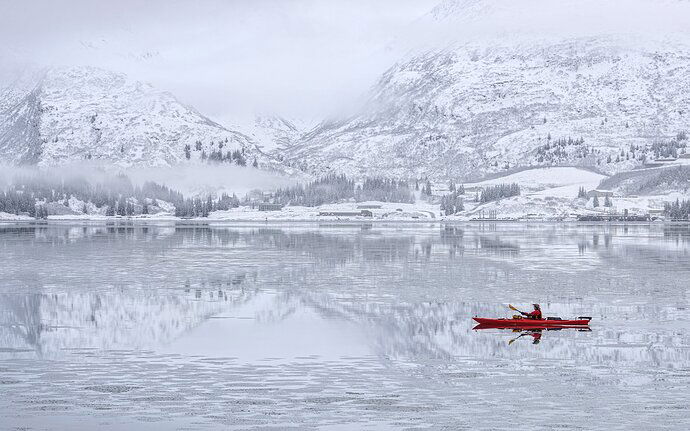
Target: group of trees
499	191
329	189
426	187
16	201
672	147
452	203
554	151
678	210
596	203
198	207
384	190
217	155
236	157
564	149
32	194
336	188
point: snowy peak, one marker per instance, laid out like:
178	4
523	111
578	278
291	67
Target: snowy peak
84	113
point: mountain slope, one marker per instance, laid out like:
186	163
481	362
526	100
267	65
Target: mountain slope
71	114
491	100
272	133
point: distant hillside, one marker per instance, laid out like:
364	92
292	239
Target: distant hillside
499	95
650	181
62	115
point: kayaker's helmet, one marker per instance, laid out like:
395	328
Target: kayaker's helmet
537	307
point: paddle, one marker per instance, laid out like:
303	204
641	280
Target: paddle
515	309
513	340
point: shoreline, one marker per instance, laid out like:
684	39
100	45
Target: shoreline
283	221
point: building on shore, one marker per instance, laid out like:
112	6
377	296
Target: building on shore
362	213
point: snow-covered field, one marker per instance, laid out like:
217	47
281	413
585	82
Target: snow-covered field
552	193
557	181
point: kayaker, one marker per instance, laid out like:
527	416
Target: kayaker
536	314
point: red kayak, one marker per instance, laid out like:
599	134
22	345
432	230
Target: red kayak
531	323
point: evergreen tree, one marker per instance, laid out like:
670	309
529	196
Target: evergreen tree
209	206
452	204
145	208
607	202
122	207
595	202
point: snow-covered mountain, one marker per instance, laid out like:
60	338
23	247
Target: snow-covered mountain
62	115
272	133
506	84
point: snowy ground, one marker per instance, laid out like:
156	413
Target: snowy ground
558	181
388	211
13	217
548	193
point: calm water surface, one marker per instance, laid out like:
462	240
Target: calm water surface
341	327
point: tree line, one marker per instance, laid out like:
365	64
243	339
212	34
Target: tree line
336	188
499	191
237	157
198	207
678	210
32	194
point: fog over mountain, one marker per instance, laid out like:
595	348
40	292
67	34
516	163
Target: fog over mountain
296	58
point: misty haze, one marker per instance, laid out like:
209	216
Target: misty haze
344	215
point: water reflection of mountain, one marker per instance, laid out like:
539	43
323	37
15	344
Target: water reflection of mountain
431	331
46	324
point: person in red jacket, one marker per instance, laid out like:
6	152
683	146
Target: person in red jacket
536	314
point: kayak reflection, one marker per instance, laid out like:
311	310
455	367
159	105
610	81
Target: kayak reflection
533	333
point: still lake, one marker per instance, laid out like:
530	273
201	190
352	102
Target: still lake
301	326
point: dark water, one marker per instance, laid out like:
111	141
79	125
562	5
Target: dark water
342	327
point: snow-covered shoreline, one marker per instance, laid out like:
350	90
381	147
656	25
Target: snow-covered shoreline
546	194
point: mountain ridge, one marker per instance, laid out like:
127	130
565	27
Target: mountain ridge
84	113
490	104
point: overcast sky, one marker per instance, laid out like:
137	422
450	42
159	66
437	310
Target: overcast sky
226	57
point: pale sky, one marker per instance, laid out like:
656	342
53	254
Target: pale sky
293	57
